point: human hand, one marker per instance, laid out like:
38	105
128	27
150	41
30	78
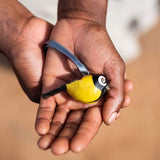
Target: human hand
27	56
61	121
21	41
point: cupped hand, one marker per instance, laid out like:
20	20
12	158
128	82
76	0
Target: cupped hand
63	123
27	55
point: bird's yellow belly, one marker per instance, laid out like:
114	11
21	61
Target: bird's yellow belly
84	90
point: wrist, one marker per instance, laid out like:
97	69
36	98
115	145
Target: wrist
90	10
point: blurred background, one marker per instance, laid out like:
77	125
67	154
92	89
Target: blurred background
134	27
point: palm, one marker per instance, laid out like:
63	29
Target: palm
93	47
72	129
59	70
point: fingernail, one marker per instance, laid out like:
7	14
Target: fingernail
118	114
112	118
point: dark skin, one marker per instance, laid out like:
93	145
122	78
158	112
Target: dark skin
73	125
21	41
65	132
62	121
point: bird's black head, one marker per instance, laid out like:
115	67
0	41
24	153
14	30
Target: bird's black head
101	82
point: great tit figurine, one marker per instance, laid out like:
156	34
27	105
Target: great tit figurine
88	89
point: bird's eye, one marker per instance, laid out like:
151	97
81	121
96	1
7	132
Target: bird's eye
102	80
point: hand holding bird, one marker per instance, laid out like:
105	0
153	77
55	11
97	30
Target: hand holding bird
91	44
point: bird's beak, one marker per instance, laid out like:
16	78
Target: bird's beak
107	87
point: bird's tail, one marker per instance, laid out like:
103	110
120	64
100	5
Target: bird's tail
53	92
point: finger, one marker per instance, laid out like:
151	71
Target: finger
55	127
128	85
127	101
115	73
44	115
125	104
47	106
61	144
87	130
118	115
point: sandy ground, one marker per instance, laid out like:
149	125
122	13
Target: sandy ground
135	136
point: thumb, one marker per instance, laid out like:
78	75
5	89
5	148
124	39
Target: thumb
114	71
